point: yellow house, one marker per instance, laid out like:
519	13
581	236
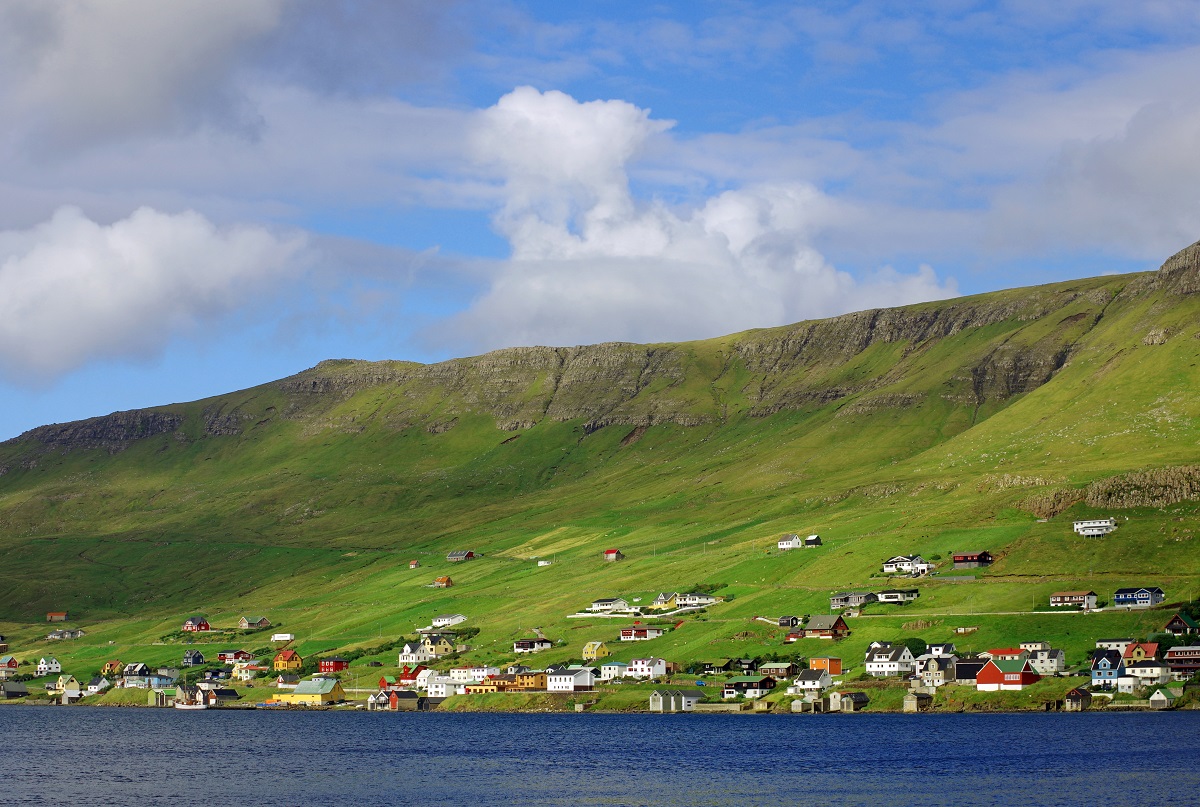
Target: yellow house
435	644
67	682
595	650
113	667
287	661
318	692
665	602
530	682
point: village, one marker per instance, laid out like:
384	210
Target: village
906	674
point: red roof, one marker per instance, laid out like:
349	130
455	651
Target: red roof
286	655
611	551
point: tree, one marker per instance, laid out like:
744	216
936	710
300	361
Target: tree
915	646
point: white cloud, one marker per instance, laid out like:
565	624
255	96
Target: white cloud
592	263
72	290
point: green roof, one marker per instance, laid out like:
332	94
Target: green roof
320	686
1010	665
746	679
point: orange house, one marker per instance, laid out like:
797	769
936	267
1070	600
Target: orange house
443	582
56	616
833	666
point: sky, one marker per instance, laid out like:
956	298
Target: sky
204	195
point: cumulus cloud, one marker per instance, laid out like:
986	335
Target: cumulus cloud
73	290
591	263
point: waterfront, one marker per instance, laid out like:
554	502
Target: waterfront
130	756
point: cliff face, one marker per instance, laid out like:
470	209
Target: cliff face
1008	343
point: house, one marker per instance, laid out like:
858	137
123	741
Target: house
13	689
247	670
1107	667
749	686
608	605
67	683
789	621
885	659
790	541
851	599
8	667
1077	700
1148	672
826	627
613	669
593	651
695	600
478	673
718	666
1048	661
545	562
1139	651
332	664
918	702
56	616
1184	661
448	620
113	667
898	595
287	681
914	565
1081	599
48	666
942	649
1181	624
408	675
665	601
531	645
460	555
777	669
1005	674
1093	528
937	671
233	656
966	669
253	622
1007	654
647	668
675	700
572	679
442	582
441	686
414	564
530	681
61	634
1113	644
810	681
400	700
1144	597
1162	698
192	658
745	665
640	633
314	692
413	653
972	560
195	624
832	665
794	636
438	644
812	541
287	661
844	702
283	637
612	555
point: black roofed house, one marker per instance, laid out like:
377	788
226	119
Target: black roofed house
192	658
972	560
966	669
1143	597
789	621
750	686
1077	700
13	689
826	627
810	681
851	599
721	665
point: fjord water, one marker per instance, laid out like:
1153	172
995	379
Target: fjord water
98	756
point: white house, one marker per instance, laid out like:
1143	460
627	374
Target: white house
792	541
447	620
884	659
1095	527
907	564
695	600
443	686
1047	660
98	684
48	666
1113	644
1149	672
613	669
810	681
465	674
572	679
935	671
283	637
897	595
647	668
414	653
423	678
675	700
607	606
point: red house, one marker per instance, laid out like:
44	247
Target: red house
195	624
230	656
826	627
56	616
8	663
972	560
408	674
334	664
1000	674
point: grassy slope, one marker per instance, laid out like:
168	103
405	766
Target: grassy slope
313	521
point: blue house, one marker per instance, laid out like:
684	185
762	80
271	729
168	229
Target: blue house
1138	597
1107	667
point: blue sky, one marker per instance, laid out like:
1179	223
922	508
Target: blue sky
204	195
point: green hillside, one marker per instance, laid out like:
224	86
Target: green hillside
985	422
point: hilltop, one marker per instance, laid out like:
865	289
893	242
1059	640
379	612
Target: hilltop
984	422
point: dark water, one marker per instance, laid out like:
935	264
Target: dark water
146	756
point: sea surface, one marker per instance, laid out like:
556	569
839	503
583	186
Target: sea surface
118	756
